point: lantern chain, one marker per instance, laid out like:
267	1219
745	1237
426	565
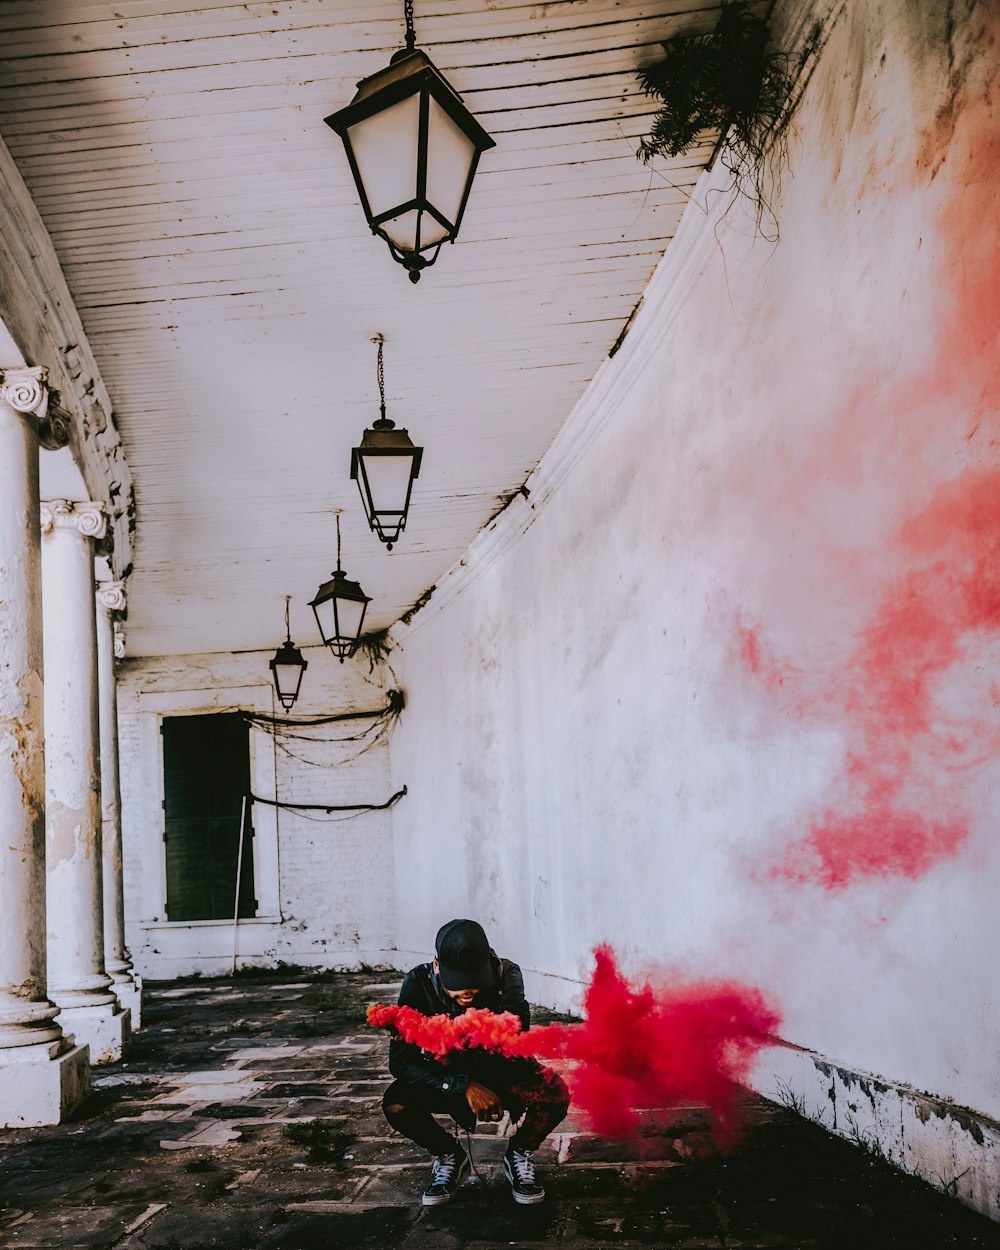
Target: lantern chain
380	373
411	38
337	515
288	628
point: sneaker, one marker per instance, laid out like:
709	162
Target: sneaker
519	1168
448	1173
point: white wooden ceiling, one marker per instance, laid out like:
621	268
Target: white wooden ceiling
211	236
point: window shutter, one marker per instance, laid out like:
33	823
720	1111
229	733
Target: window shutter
206	773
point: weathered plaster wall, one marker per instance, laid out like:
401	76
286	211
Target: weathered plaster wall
723	690
324	882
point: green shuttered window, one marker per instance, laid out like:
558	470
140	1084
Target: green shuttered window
206	773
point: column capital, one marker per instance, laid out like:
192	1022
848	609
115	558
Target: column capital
119	637
25	390
89	519
111	595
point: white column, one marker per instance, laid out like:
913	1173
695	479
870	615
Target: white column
78	981
117	960
42	1075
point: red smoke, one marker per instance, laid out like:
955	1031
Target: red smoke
874	843
916	698
635	1048
441	1035
909	760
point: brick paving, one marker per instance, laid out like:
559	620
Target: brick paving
247	1116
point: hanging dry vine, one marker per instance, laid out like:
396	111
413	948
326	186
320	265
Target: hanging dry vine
730	81
376	646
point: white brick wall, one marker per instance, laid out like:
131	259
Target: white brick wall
324	882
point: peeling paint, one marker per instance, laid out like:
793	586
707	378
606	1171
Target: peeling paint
30	990
969	1121
522	492
68	833
953	1148
27	755
422	602
925	1106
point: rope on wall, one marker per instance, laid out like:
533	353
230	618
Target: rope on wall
331	807
394	705
287	731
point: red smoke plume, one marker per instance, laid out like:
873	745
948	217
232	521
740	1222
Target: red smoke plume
916	699
635	1048
442	1035
905	745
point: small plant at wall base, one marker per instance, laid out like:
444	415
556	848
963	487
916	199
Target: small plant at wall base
728	81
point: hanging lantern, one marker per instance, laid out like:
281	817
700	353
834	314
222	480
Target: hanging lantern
340	609
413	148
288	666
384	467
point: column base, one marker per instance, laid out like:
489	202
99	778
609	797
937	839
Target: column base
44	1087
129	994
106	1029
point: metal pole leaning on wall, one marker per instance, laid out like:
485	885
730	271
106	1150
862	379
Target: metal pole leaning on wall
239	874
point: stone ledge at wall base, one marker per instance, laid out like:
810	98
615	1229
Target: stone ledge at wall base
208	952
108	1033
129	995
557	993
42	1085
953	1148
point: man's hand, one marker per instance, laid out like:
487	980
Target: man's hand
484	1103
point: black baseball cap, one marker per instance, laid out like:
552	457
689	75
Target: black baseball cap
463	953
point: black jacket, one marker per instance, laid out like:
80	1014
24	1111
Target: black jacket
421	989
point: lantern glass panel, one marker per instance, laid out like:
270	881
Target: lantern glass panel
388	480
287	678
350	614
431	231
403	230
385	147
325	618
450	157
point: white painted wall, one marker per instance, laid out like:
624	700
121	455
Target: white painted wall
324	883
652	678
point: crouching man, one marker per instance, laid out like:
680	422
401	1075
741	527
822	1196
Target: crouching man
471	1084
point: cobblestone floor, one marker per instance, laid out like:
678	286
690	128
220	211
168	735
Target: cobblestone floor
247	1117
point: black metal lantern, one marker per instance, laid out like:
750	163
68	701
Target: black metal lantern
288	666
340	610
413	148
384	467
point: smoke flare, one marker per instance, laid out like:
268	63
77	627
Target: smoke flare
636	1048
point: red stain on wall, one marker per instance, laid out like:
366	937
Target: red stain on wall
756	660
878	842
905	743
650	1046
915	740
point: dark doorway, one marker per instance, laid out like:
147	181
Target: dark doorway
206	774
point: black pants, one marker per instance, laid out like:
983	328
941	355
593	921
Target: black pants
525	1087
